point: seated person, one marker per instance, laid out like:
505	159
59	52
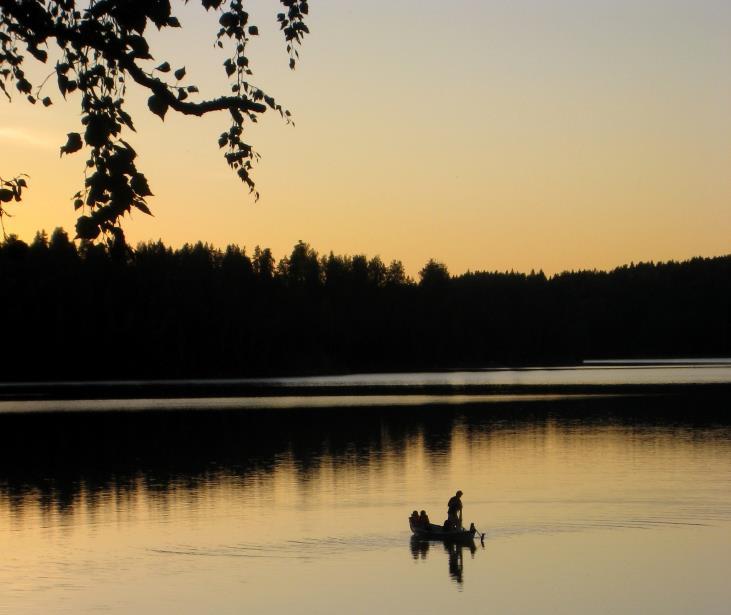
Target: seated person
414	518
424	519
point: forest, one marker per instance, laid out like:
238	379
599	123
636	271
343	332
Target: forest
85	312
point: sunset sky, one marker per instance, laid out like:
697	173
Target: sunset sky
488	134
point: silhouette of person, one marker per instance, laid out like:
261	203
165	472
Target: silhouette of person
424	520
454	510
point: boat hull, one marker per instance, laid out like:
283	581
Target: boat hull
437	532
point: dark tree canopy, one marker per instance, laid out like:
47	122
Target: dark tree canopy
101	48
199	312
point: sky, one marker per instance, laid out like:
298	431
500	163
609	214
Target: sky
487	134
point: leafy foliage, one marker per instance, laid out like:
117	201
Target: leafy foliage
10	190
103	47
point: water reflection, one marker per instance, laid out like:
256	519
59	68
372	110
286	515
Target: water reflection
227	502
61	463
420	549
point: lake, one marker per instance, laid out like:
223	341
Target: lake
590	504
383	389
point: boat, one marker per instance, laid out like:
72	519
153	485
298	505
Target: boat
437	532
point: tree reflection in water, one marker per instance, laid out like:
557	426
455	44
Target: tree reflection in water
455	552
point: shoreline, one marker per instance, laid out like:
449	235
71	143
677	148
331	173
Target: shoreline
236	389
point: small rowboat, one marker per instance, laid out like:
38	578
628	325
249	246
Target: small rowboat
437	532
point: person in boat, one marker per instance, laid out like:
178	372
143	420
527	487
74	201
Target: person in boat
454	511
424	520
414	519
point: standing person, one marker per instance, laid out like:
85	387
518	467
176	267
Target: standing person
454	511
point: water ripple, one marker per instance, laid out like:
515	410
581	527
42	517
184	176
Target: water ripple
305	548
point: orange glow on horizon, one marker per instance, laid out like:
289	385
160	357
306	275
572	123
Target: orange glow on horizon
584	136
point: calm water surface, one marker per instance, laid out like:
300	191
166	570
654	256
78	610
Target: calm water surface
591	506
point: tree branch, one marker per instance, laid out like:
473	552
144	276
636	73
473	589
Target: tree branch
46	28
187	108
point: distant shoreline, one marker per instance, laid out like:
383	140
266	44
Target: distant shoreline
229	389
198	312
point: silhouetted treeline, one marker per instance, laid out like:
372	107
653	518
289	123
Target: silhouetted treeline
71	312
